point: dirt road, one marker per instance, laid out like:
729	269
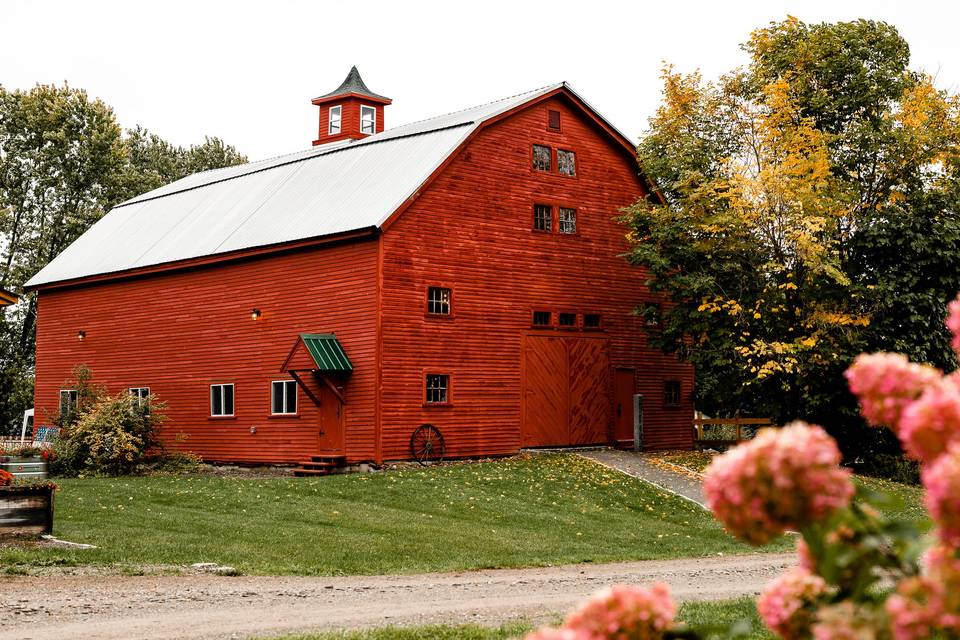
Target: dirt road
205	606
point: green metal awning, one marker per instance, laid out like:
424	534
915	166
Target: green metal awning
326	351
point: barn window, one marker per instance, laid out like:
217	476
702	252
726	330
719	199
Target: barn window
567	219
553	120
68	401
591	321
221	400
541	158
368	119
438	301
652	314
333	127
542	217
438	388
283	397
140	397
671	393
541	318
567	319
566	162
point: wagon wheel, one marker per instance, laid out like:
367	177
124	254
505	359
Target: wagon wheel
426	444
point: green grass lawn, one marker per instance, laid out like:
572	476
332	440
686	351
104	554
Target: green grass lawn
539	510
695	614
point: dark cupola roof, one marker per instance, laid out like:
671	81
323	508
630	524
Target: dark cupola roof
353	84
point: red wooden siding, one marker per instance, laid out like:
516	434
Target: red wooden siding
178	332
349	119
471	230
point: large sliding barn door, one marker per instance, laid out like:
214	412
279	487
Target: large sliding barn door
565	391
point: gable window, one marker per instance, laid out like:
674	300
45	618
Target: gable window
333	126
438	301
566	162
368	119
553	120
541	158
283	397
68	401
438	389
542	217
567	219
541	318
140	396
671	393
567	319
221	400
591	321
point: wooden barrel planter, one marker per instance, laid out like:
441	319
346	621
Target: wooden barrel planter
26	510
29	467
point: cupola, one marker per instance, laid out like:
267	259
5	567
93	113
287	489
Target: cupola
350	111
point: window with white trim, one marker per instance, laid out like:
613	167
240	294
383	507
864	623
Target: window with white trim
368	119
333	127
68	401
541	158
140	397
438	388
221	399
438	301
567	220
283	397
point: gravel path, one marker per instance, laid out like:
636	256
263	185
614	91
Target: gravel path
205	606
670	477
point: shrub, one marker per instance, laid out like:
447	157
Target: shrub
111	436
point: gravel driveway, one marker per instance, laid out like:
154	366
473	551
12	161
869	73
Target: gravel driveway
206	606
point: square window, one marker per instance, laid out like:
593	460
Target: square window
141	397
368	119
541	318
591	321
652	314
566	162
553	120
542	217
333	126
567	319
671	393
438	388
221	400
568	220
438	301
541	158
283	397
68	401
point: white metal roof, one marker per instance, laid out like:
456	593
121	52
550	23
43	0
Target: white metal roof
329	189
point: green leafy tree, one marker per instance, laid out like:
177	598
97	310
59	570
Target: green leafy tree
792	189
64	162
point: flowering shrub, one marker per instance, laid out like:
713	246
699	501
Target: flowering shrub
849	550
782	479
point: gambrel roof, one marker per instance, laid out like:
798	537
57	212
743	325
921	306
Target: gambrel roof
339	187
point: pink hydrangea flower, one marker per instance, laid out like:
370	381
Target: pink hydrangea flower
932	422
953	323
624	612
805	557
847	621
930	604
562	633
941	479
782	479
786	605
886	383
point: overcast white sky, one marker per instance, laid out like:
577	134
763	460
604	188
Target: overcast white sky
246	71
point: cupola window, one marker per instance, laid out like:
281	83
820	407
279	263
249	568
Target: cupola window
334	126
368	119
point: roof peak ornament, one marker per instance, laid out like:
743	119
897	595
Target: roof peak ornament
353	84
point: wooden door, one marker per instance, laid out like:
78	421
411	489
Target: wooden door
624	385
544	392
566	398
588	377
331	422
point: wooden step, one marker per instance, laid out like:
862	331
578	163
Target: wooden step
300	472
315	463
333	459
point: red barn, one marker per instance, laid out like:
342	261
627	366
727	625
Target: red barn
464	271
